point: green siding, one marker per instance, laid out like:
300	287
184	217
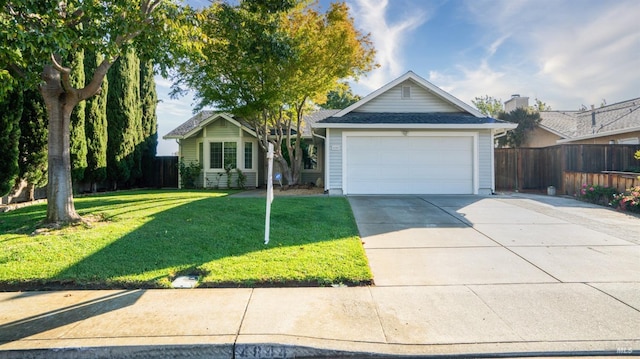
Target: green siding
222	128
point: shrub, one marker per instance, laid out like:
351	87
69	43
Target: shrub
597	194
628	201
189	173
242	178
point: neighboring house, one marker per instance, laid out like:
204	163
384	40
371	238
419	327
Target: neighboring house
617	123
408	137
215	139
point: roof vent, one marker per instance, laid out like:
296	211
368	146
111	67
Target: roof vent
515	95
406	91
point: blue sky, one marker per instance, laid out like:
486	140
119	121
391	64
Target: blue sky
567	53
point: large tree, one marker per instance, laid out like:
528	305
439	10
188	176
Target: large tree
10	113
33	142
268	61
149	120
38	35
125	127
488	106
526	118
340	98
96	127
78	137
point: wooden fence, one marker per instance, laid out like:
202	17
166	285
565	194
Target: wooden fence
165	170
538	168
573	181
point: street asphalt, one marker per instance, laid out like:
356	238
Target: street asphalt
509	275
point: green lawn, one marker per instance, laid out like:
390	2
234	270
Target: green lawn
143	239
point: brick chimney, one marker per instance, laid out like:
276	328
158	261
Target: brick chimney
516	101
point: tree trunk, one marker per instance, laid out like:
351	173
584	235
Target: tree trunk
60	104
31	191
285	169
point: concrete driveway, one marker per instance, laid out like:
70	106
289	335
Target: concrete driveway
532	269
452	240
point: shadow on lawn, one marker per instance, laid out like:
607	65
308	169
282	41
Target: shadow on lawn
192	234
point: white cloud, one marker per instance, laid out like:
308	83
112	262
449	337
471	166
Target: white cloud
372	16
565	53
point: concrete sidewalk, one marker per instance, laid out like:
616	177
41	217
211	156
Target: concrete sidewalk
467	276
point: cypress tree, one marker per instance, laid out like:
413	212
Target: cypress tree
124	120
96	126
33	141
10	113
148	101
78	139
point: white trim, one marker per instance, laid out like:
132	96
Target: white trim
475	150
493	163
597	135
418	126
420	81
327	167
202	125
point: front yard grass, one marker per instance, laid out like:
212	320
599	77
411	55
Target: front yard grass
144	239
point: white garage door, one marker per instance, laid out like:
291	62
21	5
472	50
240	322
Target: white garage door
409	165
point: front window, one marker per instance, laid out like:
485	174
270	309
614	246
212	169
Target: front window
310	157
230	154
248	155
223	154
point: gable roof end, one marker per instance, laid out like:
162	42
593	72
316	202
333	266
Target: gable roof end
410	75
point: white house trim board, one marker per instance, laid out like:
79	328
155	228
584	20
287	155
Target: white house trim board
419	126
474	171
202	125
419	81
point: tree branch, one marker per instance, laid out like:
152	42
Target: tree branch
94	86
65	74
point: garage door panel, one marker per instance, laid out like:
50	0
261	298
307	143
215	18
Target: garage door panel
409	165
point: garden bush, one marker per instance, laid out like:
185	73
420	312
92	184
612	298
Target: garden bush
628	201
597	194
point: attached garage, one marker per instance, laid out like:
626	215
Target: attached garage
409	137
410	163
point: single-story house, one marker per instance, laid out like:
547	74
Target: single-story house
408	137
618	123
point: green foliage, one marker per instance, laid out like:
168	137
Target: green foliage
189	173
149	121
637	155
340	98
228	167
124	120
628	201
526	120
267	62
242	178
10	113
488	105
597	194
540	106
31	31
33	140
78	137
96	125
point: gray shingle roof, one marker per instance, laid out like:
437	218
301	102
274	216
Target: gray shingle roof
614	117
462	118
197	120
190	124
560	122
